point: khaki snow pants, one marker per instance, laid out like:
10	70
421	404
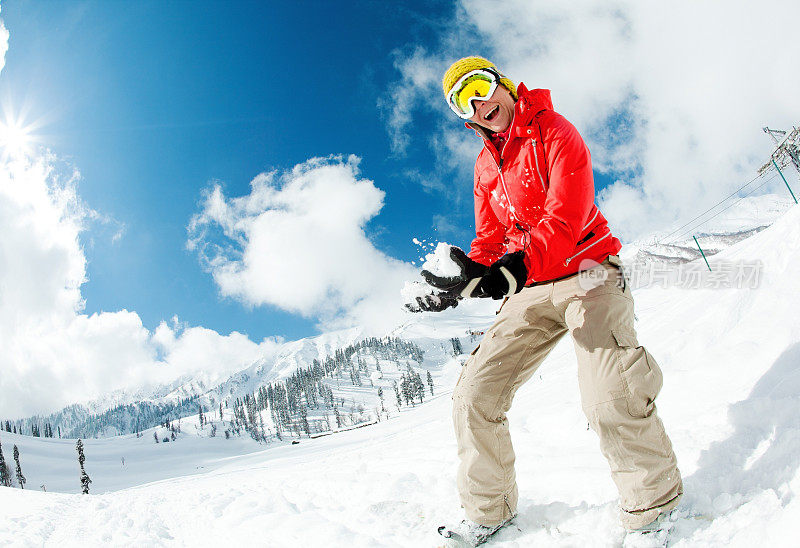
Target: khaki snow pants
618	380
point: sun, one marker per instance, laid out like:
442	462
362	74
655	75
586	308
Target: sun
18	138
15	138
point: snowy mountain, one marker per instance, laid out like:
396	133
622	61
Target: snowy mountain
731	361
715	231
380	364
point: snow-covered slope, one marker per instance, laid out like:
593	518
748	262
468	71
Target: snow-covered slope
731	361
715	231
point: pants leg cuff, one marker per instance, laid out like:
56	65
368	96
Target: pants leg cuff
506	510
640	518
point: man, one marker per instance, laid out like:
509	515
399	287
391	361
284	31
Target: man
543	244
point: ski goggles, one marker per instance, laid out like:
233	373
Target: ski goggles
476	85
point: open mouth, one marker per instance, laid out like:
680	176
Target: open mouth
492	113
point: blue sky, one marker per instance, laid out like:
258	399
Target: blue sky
151	101
155	101
198	121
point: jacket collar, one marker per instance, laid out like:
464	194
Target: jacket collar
529	104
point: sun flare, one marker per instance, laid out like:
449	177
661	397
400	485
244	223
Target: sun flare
16	139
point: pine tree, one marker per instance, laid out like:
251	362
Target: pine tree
20	478
405	388
261	427
5	473
419	386
397	394
85	481
337	417
304	420
430	382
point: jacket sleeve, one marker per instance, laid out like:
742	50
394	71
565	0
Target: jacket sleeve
570	196
490	235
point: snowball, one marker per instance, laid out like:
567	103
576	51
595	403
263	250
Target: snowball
439	262
412	290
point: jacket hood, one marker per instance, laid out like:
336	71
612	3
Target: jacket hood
533	101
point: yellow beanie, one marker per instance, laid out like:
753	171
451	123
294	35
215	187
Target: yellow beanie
463	66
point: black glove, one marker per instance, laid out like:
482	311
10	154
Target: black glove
463	285
505	276
433	302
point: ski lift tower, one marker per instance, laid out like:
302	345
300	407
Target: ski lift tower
786	152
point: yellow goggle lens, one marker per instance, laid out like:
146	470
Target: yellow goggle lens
478	85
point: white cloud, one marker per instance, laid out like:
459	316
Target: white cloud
419	73
298	242
52	353
671	97
187	350
4	36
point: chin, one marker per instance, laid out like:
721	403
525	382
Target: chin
499	128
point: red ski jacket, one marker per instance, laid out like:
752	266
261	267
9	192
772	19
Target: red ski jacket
537	194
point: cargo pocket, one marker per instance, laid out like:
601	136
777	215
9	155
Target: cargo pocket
640	373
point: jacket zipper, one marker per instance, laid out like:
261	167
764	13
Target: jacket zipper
536	165
511	210
587	248
511	207
587	225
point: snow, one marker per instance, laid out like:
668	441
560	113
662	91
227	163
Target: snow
731	361
412	290
437	262
718	229
440	263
